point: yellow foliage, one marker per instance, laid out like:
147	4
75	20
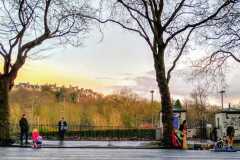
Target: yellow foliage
121	109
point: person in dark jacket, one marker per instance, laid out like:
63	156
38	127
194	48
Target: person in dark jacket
62	127
24	128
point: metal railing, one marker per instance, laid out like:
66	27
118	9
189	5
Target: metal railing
80	132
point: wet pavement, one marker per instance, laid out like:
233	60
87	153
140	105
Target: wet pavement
92	144
104	144
111	154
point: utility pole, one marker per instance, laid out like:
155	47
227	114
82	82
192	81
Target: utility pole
222	92
152	92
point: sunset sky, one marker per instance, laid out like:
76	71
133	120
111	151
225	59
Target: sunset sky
121	60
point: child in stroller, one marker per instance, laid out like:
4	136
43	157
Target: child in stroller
37	139
219	144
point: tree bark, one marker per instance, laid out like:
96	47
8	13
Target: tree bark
4	112
167	110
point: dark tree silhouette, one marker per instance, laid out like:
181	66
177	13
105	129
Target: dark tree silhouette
24	26
166	26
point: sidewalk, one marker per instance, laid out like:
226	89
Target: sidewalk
11	153
93	144
193	144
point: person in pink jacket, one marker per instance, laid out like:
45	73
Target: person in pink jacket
37	139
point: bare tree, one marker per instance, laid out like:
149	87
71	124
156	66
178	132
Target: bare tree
166	26
223	43
199	95
24	26
224	39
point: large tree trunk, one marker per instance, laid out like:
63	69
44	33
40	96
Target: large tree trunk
4	112
166	103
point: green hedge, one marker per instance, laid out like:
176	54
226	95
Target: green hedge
148	134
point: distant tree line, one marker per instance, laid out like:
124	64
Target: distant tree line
84	107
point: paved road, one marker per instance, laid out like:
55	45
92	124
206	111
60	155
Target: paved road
72	144
111	154
129	144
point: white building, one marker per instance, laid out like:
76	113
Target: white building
225	118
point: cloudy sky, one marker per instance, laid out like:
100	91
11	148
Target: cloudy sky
121	60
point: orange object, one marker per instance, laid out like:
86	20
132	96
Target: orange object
184	141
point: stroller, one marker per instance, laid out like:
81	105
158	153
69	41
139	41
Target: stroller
219	144
37	139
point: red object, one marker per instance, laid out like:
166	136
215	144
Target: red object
146	126
175	141
35	136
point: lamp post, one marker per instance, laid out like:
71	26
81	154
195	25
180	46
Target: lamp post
222	92
152	92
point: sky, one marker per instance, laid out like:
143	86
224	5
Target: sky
120	60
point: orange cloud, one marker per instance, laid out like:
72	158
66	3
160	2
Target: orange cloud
38	73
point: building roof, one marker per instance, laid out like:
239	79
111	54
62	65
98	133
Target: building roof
230	111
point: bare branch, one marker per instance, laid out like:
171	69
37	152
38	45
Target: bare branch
200	22
179	55
173	15
28	23
135	10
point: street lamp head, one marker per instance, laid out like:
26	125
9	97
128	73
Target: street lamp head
222	91
152	91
